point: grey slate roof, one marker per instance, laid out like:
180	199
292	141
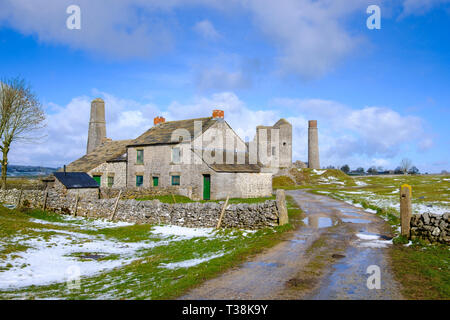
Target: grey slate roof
162	133
76	180
109	150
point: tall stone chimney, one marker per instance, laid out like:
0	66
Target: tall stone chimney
97	125
313	145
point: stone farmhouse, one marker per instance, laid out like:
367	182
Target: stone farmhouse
199	158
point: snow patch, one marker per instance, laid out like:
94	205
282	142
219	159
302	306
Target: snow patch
186	233
189	263
49	260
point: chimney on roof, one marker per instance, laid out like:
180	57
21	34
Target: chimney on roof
218	114
158	120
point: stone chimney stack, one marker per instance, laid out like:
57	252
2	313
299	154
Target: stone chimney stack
97	125
218	114
313	145
158	120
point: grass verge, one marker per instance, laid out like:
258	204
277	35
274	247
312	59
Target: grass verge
145	277
423	271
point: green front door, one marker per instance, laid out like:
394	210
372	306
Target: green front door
98	179
206	187
155	181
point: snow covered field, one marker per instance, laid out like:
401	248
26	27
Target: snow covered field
430	193
49	255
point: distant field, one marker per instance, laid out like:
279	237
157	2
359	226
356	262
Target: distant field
430	193
24	183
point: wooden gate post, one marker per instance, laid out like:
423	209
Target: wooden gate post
76	204
281	206
405	209
44	205
115	205
222	212
19	200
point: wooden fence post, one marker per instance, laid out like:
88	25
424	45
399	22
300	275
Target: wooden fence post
281	206
19	200
222	212
44	205
76	204
405	209
116	205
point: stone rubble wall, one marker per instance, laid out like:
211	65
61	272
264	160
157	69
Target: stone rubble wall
195	214
431	227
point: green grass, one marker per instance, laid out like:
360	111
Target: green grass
24	183
423	271
144	278
282	182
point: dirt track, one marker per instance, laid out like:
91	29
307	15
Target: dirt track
322	260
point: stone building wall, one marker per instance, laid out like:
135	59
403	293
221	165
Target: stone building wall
158	163
195	214
86	193
118	170
431	227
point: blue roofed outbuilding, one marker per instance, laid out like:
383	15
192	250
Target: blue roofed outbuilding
76	180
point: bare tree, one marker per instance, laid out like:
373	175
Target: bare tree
405	165
21	115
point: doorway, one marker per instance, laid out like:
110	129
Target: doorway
206	187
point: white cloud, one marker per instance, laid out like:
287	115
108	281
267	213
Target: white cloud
366	136
67	128
309	34
347	134
206	29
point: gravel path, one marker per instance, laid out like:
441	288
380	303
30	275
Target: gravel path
354	238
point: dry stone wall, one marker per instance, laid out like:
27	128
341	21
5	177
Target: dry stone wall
431	227
195	214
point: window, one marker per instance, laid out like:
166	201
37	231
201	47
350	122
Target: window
139	156
175	180
176	155
139	181
110	181
273	150
155	181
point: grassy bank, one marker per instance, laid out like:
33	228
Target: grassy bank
118	260
423	271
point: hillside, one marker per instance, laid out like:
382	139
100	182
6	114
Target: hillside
26	171
313	177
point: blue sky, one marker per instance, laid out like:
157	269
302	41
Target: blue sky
378	95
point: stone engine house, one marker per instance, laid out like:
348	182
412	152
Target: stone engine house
199	158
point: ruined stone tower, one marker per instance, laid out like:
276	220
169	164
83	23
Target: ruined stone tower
97	125
313	145
278	143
